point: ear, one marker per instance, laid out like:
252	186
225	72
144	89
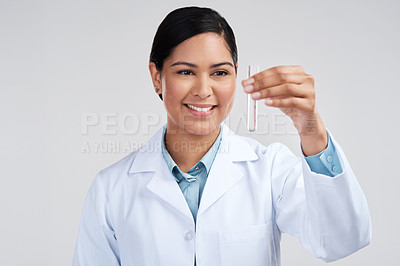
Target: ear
155	77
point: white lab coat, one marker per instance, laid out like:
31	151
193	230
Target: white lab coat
135	214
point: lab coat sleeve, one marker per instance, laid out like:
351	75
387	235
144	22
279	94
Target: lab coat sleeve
96	244
329	215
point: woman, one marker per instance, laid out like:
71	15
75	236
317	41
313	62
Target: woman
196	193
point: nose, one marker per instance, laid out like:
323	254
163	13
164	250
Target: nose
202	87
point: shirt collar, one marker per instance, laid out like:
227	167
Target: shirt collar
149	158
207	160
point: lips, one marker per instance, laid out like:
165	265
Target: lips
200	109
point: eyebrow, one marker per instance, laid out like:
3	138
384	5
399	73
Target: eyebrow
195	66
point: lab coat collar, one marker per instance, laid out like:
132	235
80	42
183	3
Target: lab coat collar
223	175
149	157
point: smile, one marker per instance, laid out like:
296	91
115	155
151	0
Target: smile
199	109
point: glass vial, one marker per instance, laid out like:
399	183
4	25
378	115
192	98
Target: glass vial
252	104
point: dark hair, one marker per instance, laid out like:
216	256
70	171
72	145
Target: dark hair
184	23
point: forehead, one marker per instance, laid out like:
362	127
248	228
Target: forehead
202	47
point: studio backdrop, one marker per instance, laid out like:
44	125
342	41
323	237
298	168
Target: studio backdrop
76	96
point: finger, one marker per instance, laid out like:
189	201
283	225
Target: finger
274	71
304	104
287	90
270	81
278	70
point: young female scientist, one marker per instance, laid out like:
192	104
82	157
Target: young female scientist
196	193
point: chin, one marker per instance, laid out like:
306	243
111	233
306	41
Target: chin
201	129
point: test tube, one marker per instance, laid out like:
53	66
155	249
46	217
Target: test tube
252	104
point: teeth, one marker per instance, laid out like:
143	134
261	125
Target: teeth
199	109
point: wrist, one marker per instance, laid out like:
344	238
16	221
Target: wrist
314	138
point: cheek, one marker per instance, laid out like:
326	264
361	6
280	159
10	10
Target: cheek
227	94
174	91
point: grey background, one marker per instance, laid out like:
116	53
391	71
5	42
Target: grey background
63	60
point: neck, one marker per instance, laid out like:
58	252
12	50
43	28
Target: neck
187	149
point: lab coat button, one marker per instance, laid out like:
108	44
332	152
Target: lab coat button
189	235
197	167
329	159
334	169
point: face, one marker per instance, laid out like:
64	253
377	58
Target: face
198	84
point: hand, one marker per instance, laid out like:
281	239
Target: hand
292	90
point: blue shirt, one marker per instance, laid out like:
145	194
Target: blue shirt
192	183
326	162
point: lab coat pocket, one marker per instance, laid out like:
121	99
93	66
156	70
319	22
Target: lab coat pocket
251	245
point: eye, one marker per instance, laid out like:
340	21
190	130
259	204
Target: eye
221	73
185	72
